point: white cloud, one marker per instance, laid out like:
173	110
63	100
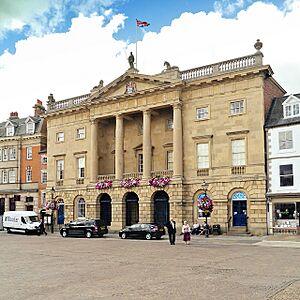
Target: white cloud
228	7
45	16
70	64
65	64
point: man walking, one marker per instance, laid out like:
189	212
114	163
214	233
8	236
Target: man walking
171	225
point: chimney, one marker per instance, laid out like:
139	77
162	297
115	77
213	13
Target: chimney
39	109
13	115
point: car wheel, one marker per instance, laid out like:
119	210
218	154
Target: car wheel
158	237
26	231
88	234
123	236
148	236
8	230
64	233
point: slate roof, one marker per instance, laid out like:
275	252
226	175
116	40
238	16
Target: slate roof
275	114
20	126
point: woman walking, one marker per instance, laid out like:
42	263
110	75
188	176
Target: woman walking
186	230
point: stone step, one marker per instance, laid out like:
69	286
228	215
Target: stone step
238	230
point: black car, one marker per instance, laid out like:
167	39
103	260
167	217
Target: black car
84	228
146	231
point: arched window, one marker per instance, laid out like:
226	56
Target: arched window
80	208
239	196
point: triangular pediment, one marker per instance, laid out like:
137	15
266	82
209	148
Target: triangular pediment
129	84
291	100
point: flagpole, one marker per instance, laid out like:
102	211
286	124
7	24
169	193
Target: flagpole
136	36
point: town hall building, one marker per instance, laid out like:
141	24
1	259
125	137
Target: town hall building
145	148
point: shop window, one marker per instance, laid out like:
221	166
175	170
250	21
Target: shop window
285	211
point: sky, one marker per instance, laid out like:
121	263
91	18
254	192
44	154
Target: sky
65	47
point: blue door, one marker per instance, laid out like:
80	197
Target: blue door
61	214
161	208
239	213
105	209
132	209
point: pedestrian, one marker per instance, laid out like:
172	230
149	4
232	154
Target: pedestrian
42	228
206	229
186	230
171	226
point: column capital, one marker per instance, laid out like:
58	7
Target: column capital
177	105
94	121
119	116
147	111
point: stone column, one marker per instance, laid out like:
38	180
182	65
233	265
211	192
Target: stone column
177	141
119	148
94	151
147	146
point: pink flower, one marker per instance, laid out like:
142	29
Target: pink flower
159	181
205	204
106	184
130	182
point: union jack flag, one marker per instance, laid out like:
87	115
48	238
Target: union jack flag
141	23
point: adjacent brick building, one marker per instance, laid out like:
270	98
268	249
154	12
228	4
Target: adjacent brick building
21	140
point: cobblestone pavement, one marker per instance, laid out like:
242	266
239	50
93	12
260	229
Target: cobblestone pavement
220	267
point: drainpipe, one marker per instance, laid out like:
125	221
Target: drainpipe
267	181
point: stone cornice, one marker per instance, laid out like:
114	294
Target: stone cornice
237	132
203	137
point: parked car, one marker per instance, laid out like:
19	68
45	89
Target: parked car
84	228
146	231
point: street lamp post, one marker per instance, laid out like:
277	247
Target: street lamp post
52	221
205	187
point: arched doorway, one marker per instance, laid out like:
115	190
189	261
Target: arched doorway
105	209
132	208
161	207
239	209
60	212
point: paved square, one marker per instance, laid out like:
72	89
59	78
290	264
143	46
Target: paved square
52	267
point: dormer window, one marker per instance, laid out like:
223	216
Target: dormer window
30	127
291	107
10	130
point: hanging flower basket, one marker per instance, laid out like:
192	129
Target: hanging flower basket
130	182
106	184
159	181
51	205
205	204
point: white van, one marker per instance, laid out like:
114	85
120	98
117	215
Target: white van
25	221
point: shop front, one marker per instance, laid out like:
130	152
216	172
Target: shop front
284	215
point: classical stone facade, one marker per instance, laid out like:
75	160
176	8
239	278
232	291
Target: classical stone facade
204	124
